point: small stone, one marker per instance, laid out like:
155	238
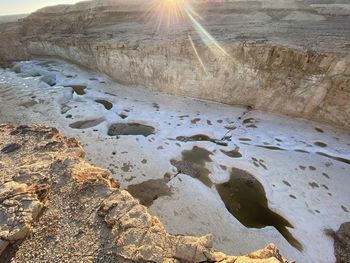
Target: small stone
10	148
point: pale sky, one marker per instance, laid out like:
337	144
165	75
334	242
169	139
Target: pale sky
10	7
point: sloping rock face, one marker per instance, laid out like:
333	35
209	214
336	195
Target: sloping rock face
342	243
277	57
55	207
11	47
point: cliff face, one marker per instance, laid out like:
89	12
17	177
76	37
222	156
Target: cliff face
11	47
55	207
281	60
266	77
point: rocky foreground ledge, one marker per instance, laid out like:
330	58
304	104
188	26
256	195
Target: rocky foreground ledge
55	207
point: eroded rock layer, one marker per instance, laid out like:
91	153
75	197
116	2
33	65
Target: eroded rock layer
341	243
55	207
290	58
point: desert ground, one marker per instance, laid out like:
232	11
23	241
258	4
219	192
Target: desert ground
182	152
233	122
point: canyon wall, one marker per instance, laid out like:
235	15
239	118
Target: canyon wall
267	77
296	73
11	47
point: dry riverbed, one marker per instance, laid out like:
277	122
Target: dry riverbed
247	177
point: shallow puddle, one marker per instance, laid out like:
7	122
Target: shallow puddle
130	129
301	151
193	164
270	147
258	163
200	138
244	139
314	185
320	144
249	121
123	116
111	94
78	89
336	158
233	154
319	130
194	121
127	167
245	199
105	103
149	191
86	124
156	106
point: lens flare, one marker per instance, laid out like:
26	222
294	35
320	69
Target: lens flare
168	13
208	39
176	15
197	55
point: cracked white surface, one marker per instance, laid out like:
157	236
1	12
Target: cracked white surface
193	208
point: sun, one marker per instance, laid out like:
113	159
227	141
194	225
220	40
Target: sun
173	3
171	16
169	13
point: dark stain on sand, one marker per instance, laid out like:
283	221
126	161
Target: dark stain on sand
149	191
193	164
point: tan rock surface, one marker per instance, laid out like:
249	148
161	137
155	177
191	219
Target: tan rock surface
55	207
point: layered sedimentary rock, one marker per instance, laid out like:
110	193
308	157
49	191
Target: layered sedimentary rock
287	57
55	207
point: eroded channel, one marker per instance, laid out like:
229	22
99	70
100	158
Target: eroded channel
302	165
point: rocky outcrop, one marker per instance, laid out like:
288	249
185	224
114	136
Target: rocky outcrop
342	243
55	207
271	62
11	46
